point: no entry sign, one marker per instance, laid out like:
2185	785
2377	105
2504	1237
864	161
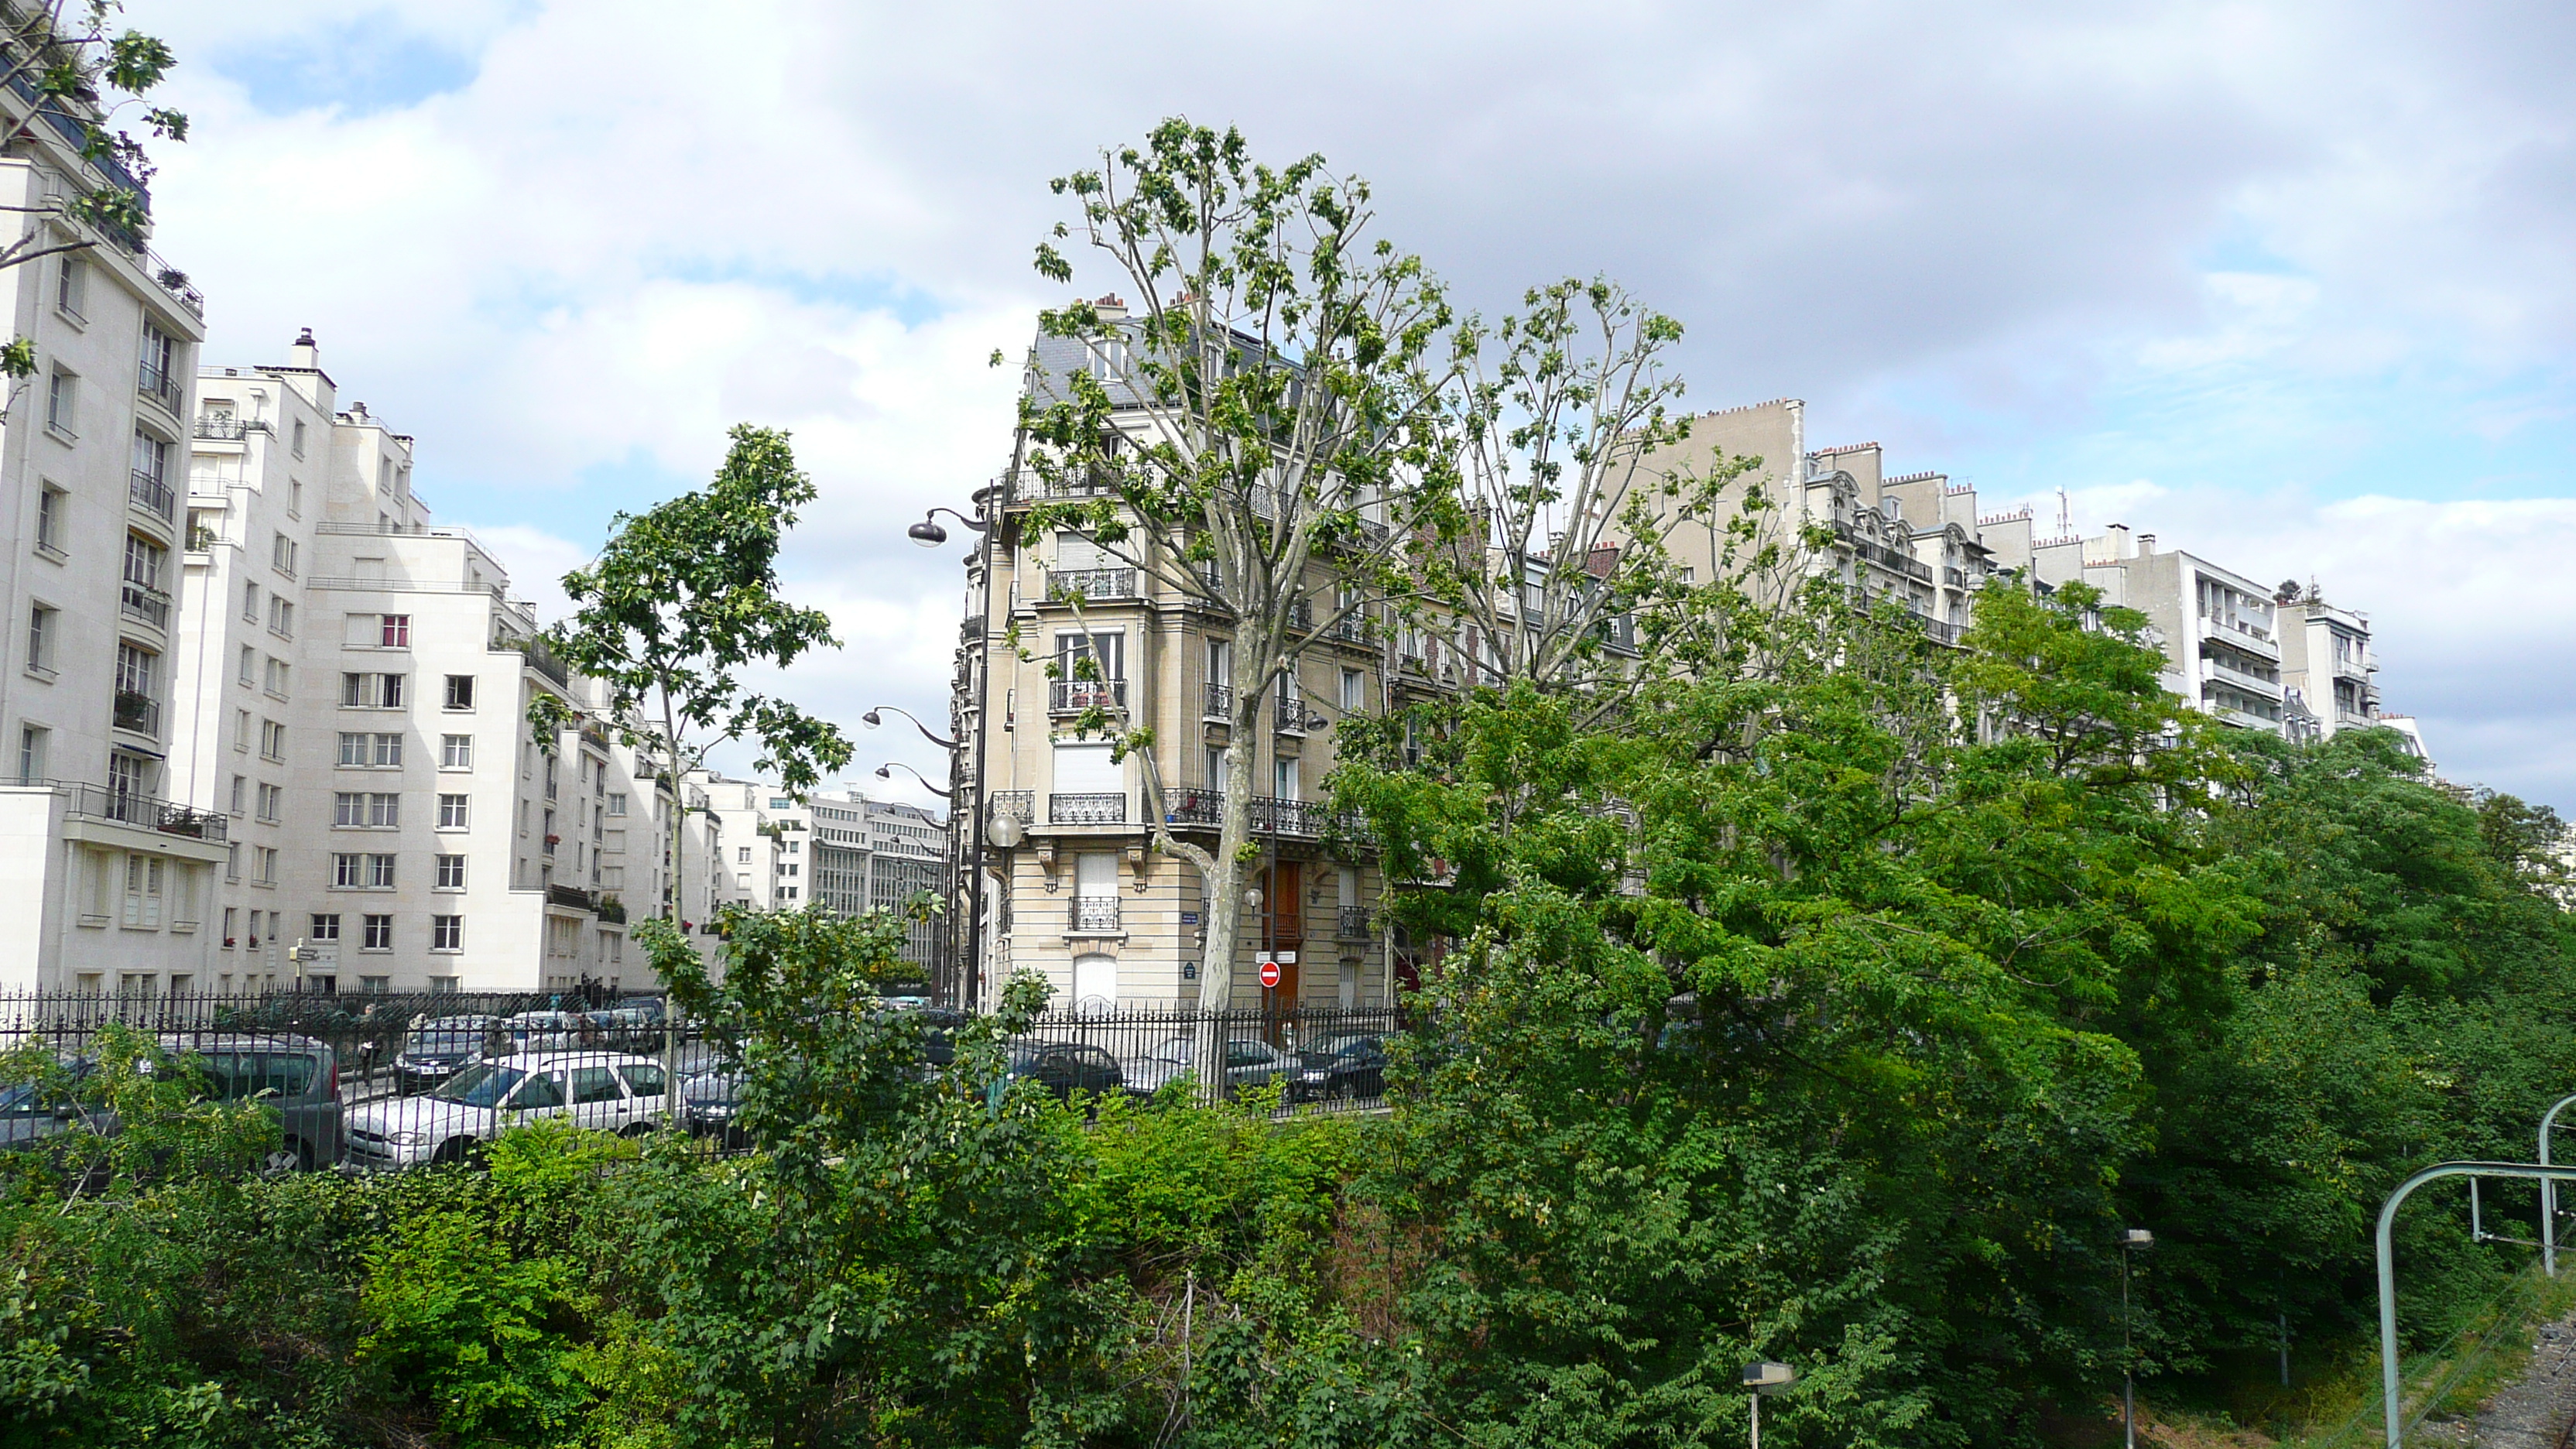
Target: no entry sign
1270	975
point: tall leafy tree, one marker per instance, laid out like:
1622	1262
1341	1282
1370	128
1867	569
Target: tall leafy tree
683	599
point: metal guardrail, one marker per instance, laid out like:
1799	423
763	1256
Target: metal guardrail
153	496
1090	584
1087	808
163	388
1351	923
140	713
1073	696
1290	712
572	896
1220	701
1020	805
228	430
98	802
1093	916
144	602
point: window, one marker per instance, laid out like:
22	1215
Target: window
617	805
241	730
241	792
250	602
278	677
326	926
742	855
263	865
31	753
51	502
375	985
447	933
272	739
1354	690
371	691
144	876
151	459
359	748
366	810
378	933
42	627
451	872
451	812
231	915
444	985
272	803
152	371
456	752
460	691
380	872
62	403
135	669
281	554
299	437
394	632
1286	779
71	287
281	617
249	672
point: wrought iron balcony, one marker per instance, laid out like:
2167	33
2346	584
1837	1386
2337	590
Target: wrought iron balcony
1290	711
144	602
153	496
163	388
1352	924
1220	701
573	896
1272	815
1350	629
1087	809
1194	805
1093	916
140	713
125	807
1073	696
1091	584
1020	805
226	429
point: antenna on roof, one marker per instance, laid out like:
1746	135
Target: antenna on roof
2065	517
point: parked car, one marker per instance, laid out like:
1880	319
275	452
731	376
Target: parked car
606	1091
1248	1063
1341	1068
707	1105
634	1023
294	1076
542	1031
1064	1068
438	1049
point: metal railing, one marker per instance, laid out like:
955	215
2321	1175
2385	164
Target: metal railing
1301	614
1073	696
1019	805
153	496
1087	808
162	388
1350	629
125	807
539	657
572	896
1351	923
226	429
1090	584
1093	916
1272	815
1220	701
1882	555
1290	711
144	602
1194	805
140	713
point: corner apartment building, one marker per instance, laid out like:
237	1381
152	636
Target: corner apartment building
2327	664
1082	899
357	681
105	875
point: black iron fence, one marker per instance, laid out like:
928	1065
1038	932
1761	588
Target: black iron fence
378	1081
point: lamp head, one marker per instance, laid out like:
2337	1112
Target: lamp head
872	719
1762	1375
927	533
1006	832
2137	1238
885	772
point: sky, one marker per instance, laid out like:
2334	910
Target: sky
2287	285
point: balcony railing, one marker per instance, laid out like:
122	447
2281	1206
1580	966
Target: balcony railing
2242	678
97	802
1290	711
1020	805
1204	807
1955	578
1087	809
539	657
1301	614
1352	924
573	896
1349	629
1073	696
1093	916
1274	816
1195	805
1882	555
1091	584
1220	701
144	602
138	712
226	429
153	496
162	388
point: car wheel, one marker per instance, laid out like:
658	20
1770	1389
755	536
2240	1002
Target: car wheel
635	1129
458	1151
292	1155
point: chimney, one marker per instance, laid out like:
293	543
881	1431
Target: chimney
303	353
358	410
2146	544
1110	308
2122	546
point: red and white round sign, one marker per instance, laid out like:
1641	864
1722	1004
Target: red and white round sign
1269	975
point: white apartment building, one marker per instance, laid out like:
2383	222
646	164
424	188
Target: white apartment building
358	680
2327	663
843	852
105	878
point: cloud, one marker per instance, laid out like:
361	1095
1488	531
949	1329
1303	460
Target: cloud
2254	251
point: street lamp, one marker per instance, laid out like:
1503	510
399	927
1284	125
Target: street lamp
2132	1240
886	772
876	717
1762	1376
970	783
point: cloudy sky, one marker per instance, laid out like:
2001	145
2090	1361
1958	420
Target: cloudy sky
2289	285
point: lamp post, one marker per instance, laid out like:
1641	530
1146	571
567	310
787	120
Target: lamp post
876	717
1762	1376
966	795
2549	1190
886	772
2132	1240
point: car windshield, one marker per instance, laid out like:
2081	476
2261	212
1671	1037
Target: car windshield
446	1038
1175	1050
712	1088
482	1085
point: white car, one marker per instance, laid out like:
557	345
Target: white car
605	1091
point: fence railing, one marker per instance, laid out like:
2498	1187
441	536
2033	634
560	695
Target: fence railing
125	807
1087	809
1220	701
1073	696
1062	584
144	602
346	1070
1093	916
153	496
140	713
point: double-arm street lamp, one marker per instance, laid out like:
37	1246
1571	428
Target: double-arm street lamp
966	794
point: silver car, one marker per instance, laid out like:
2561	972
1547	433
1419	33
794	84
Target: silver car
604	1091
1248	1063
